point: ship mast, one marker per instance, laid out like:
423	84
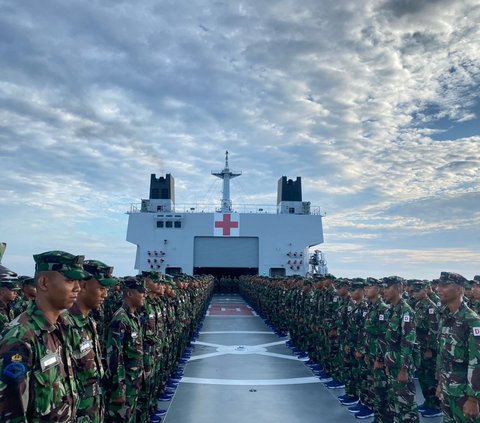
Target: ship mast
226	174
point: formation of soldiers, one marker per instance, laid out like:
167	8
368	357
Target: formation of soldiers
373	337
79	345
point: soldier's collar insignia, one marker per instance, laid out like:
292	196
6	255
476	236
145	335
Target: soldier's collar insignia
17	358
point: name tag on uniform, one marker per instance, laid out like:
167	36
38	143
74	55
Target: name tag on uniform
134	335
335	299
406	318
49	361
381	317
430	311
476	331
86	346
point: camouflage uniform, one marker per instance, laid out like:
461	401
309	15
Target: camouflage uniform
36	369
426	318
87	361
375	327
125	371
21	304
6	309
37	378
399	353
458	361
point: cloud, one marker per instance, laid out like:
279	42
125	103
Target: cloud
96	96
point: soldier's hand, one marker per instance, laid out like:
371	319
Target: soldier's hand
358	355
403	375
366	360
346	349
378	365
428	354
438	392
470	408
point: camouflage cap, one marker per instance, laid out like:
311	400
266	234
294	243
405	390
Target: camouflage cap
131	282
26	281
417	285
4	271
9	284
357	283
476	278
154	276
101	272
342	283
449	278
330	276
60	261
391	280
371	281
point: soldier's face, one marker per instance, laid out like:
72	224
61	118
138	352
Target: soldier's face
60	291
419	295
93	294
476	292
449	292
8	295
30	291
391	292
137	297
357	294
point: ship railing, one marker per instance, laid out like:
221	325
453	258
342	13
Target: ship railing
214	208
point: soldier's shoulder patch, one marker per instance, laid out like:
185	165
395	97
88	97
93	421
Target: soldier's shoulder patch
381	317
431	311
406	318
13	372
476	331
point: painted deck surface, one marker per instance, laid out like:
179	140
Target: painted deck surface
240	371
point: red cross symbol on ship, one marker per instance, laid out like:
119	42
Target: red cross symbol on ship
226	224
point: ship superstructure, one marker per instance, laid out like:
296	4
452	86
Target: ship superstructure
226	240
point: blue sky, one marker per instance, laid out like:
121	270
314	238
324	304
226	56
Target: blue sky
374	103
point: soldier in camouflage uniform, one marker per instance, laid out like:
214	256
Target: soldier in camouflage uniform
399	351
124	378
27	294
149	319
37	379
85	343
426	318
375	327
475	304
458	360
8	293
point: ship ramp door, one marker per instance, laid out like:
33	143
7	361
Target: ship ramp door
225	256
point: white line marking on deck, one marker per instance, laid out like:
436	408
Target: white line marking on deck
251	382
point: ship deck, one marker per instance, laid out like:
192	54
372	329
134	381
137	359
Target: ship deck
241	371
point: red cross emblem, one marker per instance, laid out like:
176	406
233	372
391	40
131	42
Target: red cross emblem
226	223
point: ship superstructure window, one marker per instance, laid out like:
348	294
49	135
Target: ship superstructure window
159	223
291	210
169	224
177	224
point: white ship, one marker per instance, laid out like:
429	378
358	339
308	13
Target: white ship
228	239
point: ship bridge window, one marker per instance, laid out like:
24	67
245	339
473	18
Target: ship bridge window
177	224
159	223
168	224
